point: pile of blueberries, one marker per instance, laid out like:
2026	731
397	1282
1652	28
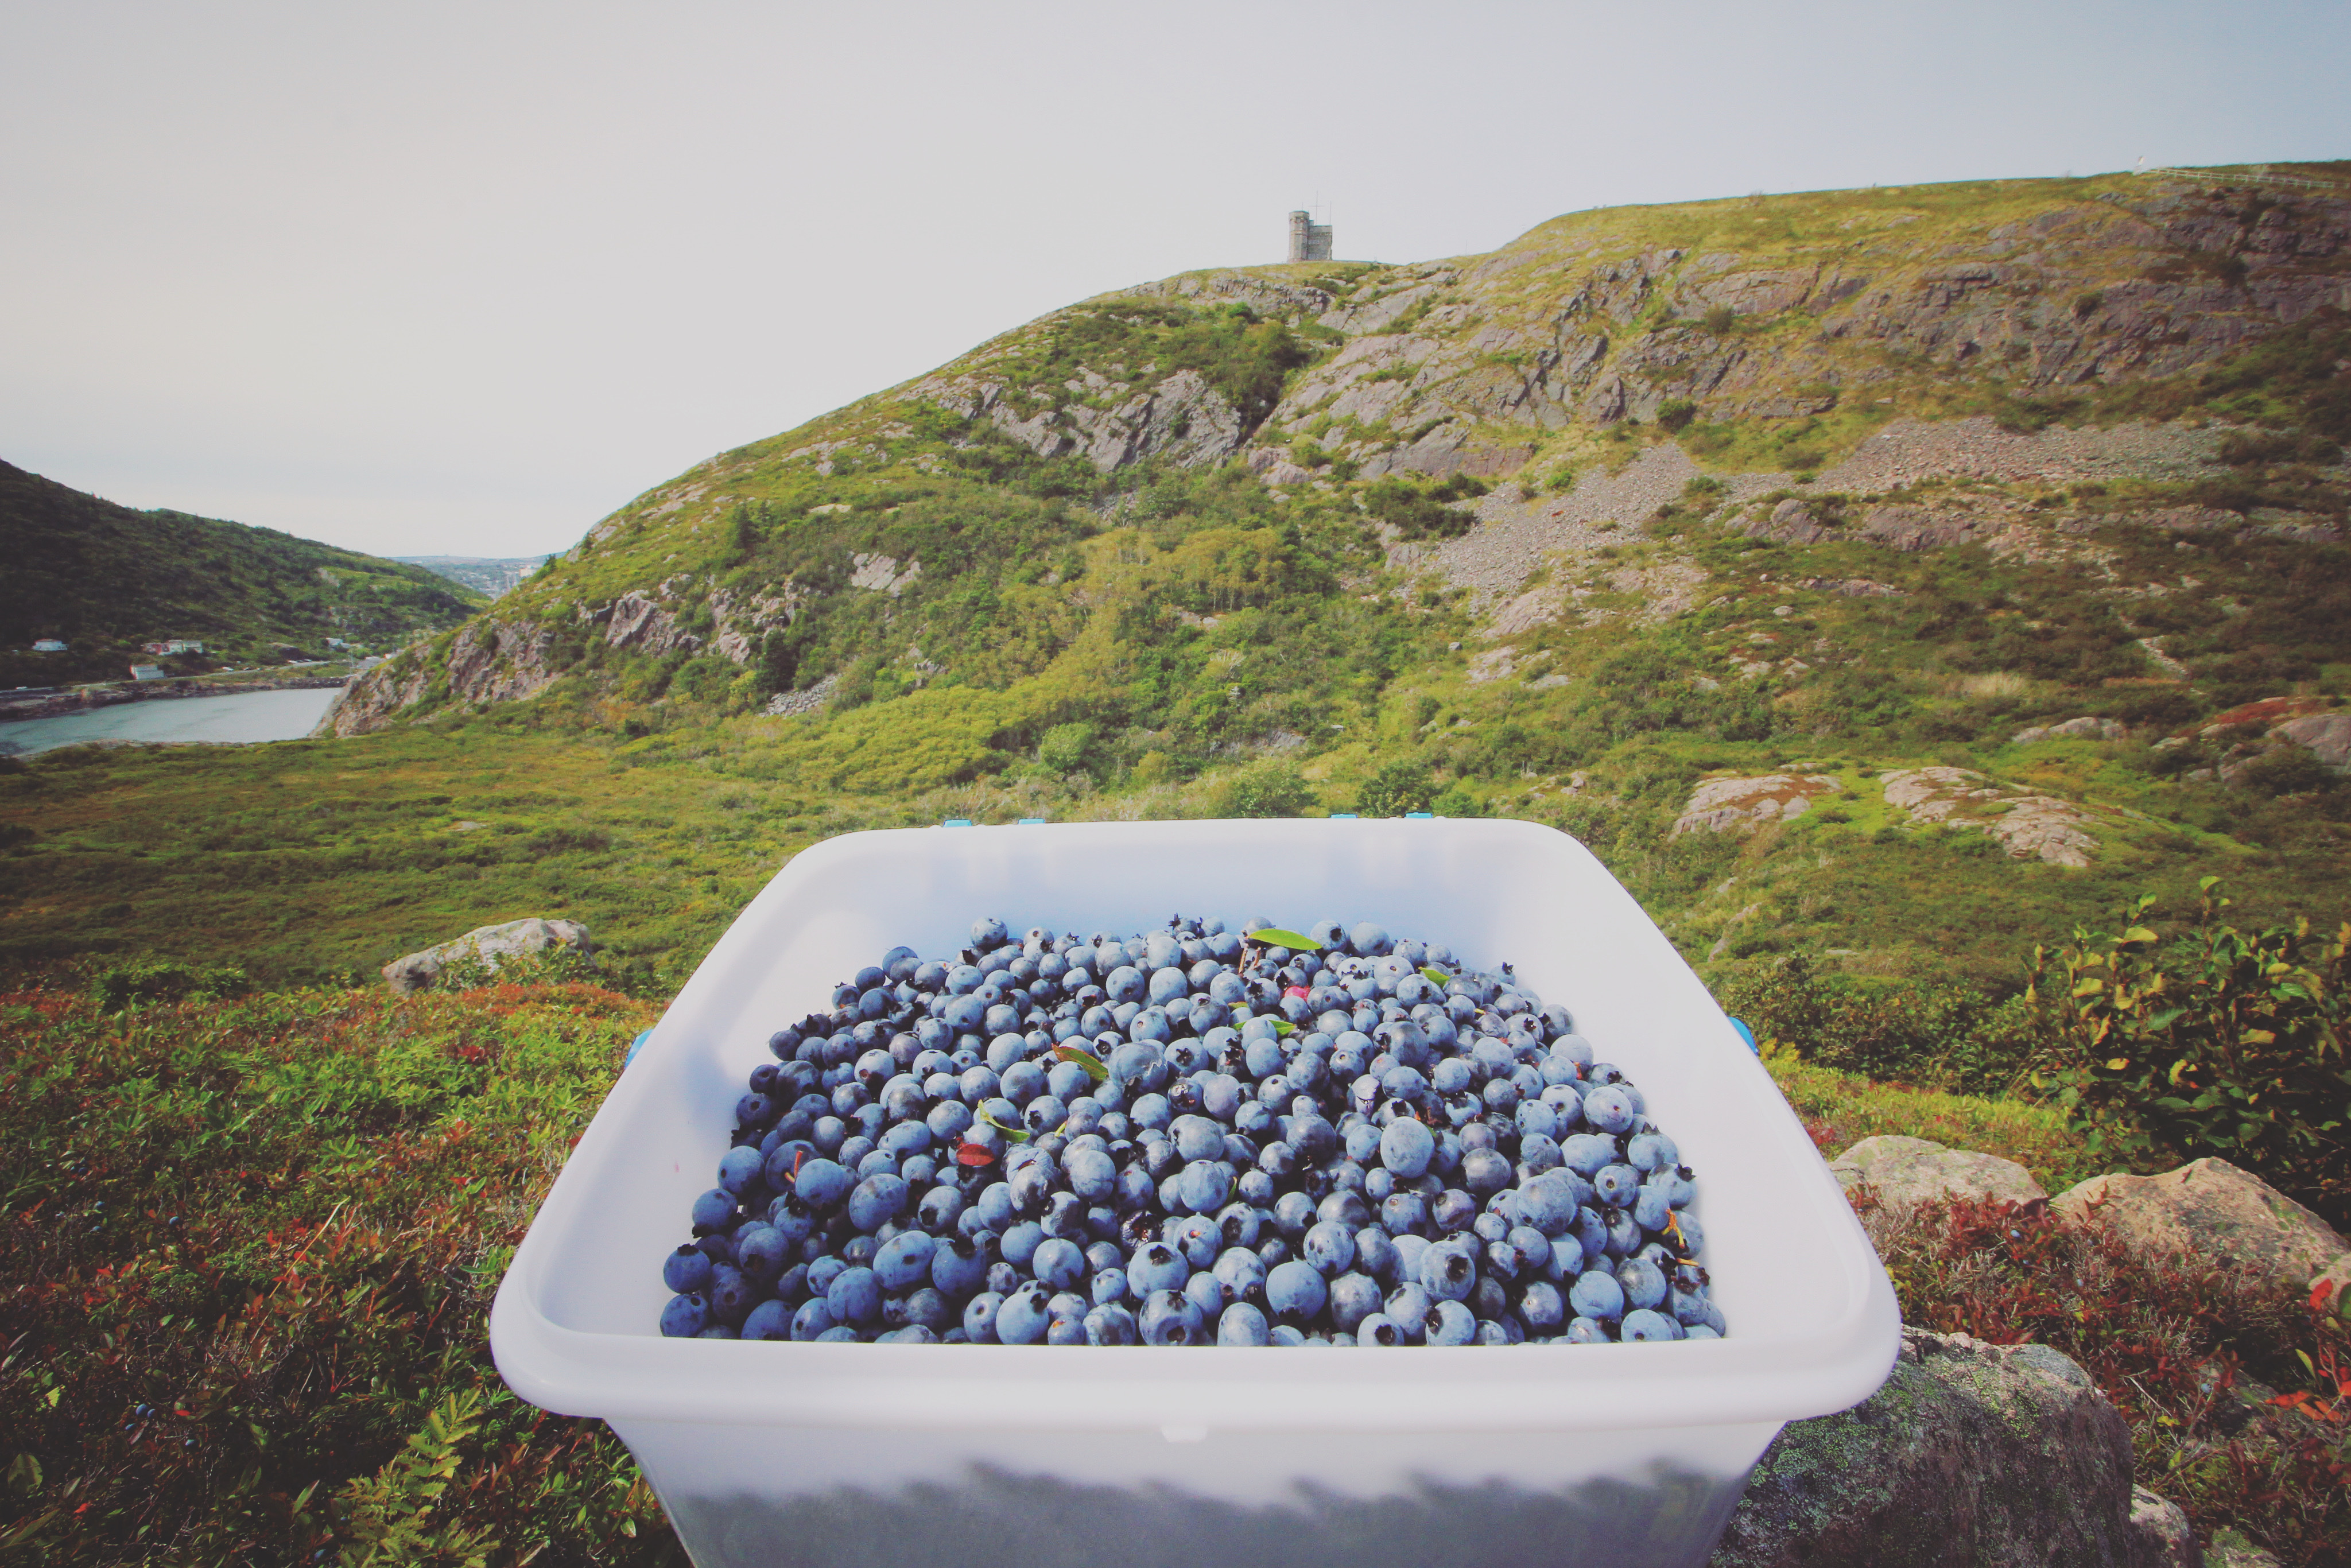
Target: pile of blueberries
1193	1136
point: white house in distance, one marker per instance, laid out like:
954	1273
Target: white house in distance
49	645
173	645
146	671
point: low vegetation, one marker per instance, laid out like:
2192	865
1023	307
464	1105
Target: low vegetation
2238	1398
252	1240
250	1247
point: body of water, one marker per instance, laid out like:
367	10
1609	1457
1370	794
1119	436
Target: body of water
246	716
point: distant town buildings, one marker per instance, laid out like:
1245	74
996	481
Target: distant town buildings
1309	241
49	645
173	645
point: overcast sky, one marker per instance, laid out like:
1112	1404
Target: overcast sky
463	277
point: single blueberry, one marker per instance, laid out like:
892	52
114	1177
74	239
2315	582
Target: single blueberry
1058	1264
768	1319
1204	1291
1449	1324
1406	1148
687	1271
1643	1283
1448	1273
1111	1324
1645	1323
979	1317
1610	1109
686	1316
714	1208
1597	1295
813	1318
1022	1318
761	1251
1616	1184
904	1261
1540	1307
1243	1324
1155	1267
1295	1290
855	1297
732	1294
1353	1298
822	1184
875	1200
1329	1247
1169	1317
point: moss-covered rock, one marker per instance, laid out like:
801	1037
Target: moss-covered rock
1970	1453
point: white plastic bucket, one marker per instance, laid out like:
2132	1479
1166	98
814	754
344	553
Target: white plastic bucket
771	1452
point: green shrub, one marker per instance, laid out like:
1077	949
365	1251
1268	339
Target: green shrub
1064	747
1675	414
2288	771
2218	1042
1268	790
1399	788
1418	512
1938	1034
164	980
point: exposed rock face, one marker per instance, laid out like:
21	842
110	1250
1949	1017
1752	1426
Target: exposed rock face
2253	731
2213	1211
1728	805
744	620
1970	1453
1907	527
1181	418
492	945
2083	729
1562	326
1900	1171
637	621
488	661
1791	522
2029	825
2325	736
882	574
790	704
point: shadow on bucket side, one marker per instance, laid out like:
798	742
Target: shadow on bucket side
997	1519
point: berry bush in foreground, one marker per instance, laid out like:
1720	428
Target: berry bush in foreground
1192	1136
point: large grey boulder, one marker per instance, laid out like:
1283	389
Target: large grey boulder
2213	1211
1899	1171
1970	1453
491	946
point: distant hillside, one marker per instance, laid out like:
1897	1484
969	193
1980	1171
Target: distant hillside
490	575
1873	575
105	579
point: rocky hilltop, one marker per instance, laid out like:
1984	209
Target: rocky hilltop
1803	330
1977	513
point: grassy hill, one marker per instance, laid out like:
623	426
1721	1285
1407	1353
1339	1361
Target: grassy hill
105	579
1502	534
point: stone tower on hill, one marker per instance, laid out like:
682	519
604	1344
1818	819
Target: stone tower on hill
1309	241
